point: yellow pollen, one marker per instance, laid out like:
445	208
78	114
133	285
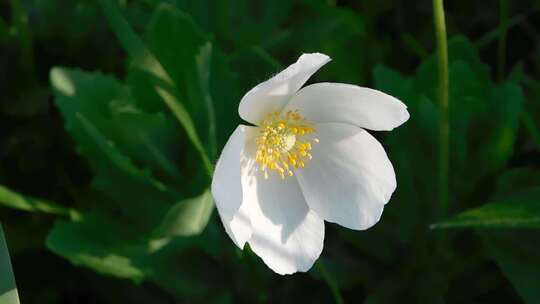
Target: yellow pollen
281	145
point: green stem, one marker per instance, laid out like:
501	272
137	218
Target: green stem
330	282
444	128
501	54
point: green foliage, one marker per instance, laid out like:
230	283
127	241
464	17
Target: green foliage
8	290
186	218
112	114
15	200
516	253
484	124
101	116
165	86
134	147
512	213
98	243
515	204
107	247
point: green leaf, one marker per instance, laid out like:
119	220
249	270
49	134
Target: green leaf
224	87
90	103
505	108
18	201
507	214
85	101
100	244
516	180
518	256
184	266
187	61
419	134
187	217
484	118
20	24
164	85
8	289
151	140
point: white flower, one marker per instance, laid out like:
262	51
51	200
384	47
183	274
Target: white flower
307	160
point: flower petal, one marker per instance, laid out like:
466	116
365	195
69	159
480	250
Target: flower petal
345	103
227	189
349	179
287	235
274	93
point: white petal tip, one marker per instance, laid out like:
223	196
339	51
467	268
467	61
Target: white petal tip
315	57
403	116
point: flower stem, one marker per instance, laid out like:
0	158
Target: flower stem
444	128
330	282
501	53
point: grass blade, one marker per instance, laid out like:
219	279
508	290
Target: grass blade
8	289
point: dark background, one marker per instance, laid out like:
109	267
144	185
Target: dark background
388	45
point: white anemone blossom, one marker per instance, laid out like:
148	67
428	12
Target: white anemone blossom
307	160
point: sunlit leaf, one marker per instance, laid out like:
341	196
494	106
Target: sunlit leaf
15	200
85	101
187	217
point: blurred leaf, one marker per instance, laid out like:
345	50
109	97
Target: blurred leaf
192	267
517	74
198	68
8	289
518	256
238	21
506	106
484	119
187	217
180	265
15	200
163	84
224	87
531	127
520	211
187	61
516	180
419	134
117	138
149	139
98	243
22	28
515	204
86	101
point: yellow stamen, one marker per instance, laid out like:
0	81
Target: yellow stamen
281	145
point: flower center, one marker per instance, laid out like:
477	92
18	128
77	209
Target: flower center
281	146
